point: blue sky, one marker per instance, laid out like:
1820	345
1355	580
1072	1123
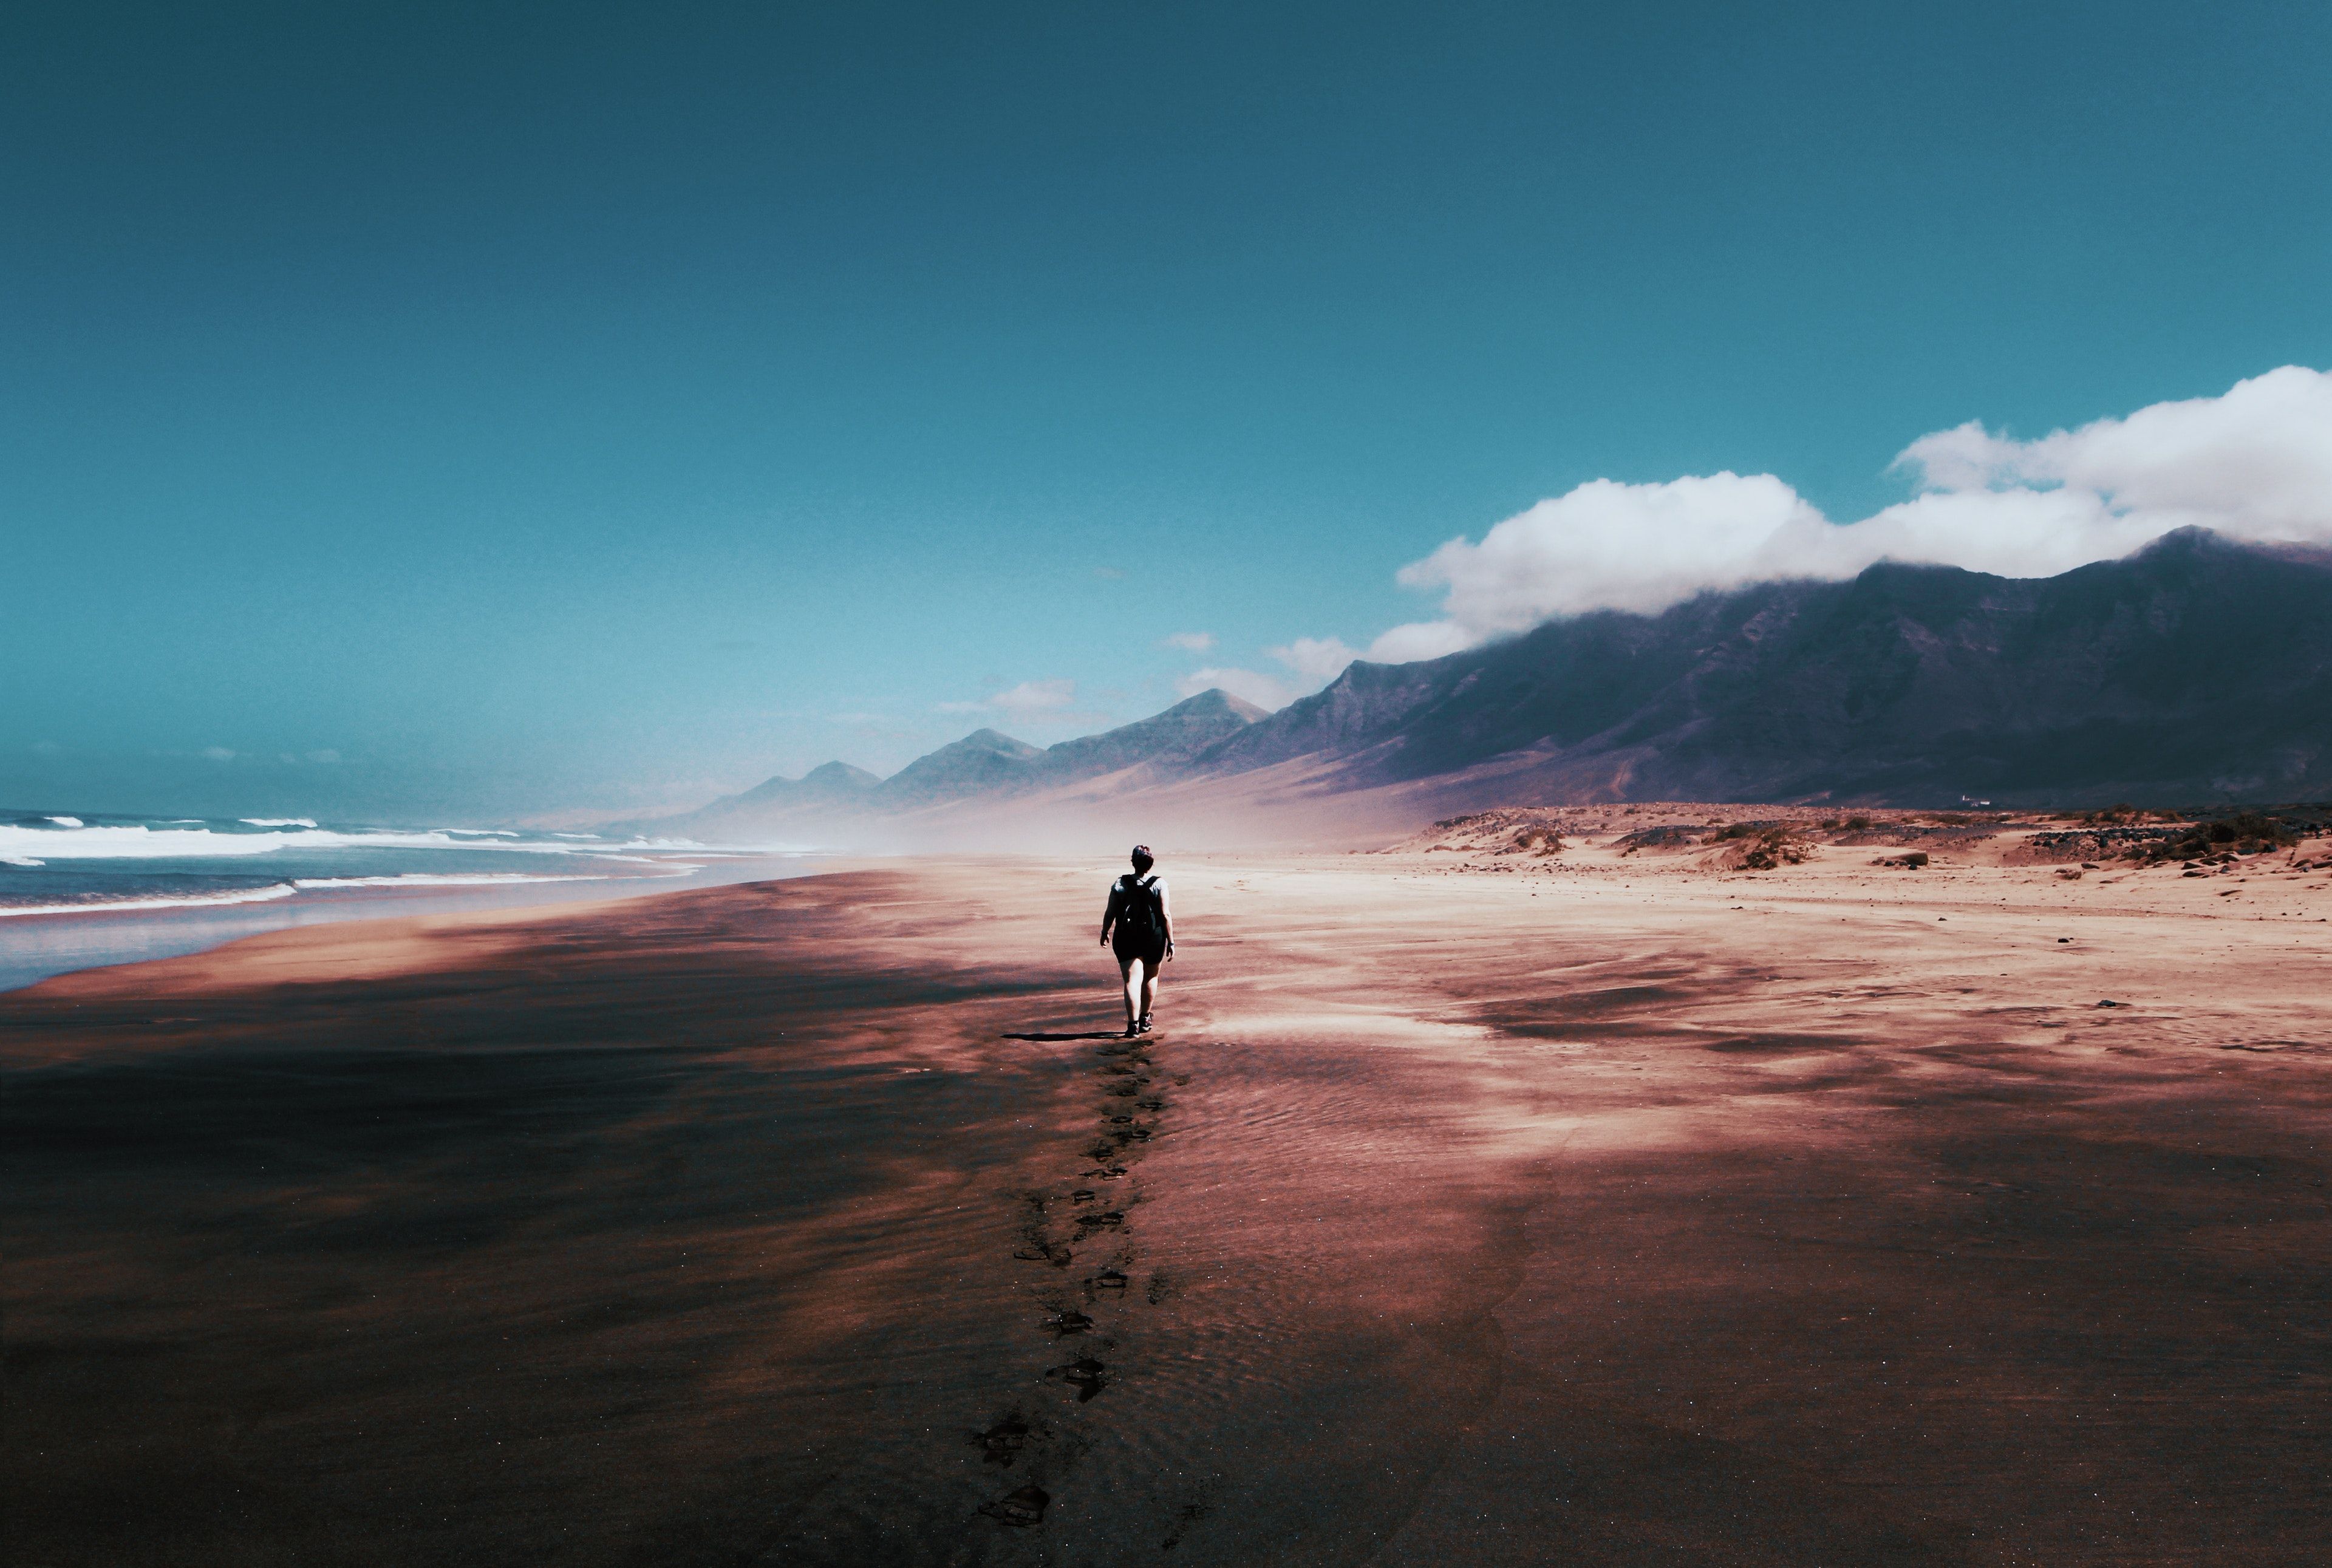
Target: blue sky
410	411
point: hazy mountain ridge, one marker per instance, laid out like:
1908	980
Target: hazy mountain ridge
1179	734
985	764
832	781
2195	669
982	762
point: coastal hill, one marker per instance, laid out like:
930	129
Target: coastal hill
984	762
2195	669
985	765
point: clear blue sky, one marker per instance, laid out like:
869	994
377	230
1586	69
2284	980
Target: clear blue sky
575	406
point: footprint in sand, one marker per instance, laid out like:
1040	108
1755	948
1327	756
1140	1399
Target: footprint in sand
1189	1515
1107	1279
1084	1374
1161	1286
1001	1444
1021	1508
1107	1220
1068	1321
1152	1107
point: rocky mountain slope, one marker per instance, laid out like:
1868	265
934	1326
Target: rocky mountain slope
2196	669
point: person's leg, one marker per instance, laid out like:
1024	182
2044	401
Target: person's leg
1150	991
1135	986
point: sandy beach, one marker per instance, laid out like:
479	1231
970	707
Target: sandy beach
1580	1208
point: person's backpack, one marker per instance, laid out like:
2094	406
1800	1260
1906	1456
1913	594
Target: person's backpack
1137	912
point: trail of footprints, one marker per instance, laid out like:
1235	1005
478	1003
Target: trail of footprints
1092	1215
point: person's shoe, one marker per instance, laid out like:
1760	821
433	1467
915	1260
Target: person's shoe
1130	1030
1143	1028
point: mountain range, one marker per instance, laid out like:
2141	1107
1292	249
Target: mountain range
2196	669
984	766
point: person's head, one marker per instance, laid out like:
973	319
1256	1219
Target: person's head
1142	860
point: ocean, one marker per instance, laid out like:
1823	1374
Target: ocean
78	890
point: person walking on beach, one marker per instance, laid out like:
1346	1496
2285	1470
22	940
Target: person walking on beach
1144	936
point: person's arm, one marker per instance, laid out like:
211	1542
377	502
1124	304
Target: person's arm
1166	918
1109	915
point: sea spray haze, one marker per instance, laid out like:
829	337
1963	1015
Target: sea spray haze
83	888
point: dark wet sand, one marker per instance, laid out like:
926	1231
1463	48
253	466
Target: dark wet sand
1449	1221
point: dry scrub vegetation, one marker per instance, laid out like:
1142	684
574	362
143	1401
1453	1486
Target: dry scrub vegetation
1765	839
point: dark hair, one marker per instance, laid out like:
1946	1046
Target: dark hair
1142	859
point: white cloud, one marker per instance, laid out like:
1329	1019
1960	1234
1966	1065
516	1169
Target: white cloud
1034	697
1314	662
1264	691
1318	660
1027	697
1191	642
1418	640
2255	463
218	754
1612	546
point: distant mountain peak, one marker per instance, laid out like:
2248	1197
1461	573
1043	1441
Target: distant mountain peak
984	760
1214	700
841	773
986	739
2192	539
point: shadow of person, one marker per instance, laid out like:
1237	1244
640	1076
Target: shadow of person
1096	1035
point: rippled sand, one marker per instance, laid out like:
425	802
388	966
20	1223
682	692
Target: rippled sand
1620	1213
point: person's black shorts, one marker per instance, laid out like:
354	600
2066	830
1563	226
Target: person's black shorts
1151	954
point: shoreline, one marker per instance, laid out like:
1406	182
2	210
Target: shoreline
39	944
1628	1211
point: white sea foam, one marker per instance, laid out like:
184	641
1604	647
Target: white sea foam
141	843
264	821
288	889
181	901
20	860
66	821
423	879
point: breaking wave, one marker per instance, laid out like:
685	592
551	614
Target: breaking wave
98	904
423	879
139	842
175	900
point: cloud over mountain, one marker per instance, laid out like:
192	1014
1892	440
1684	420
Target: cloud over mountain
1311	662
2254	463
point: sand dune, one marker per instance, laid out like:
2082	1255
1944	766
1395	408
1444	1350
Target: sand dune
1465	1209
